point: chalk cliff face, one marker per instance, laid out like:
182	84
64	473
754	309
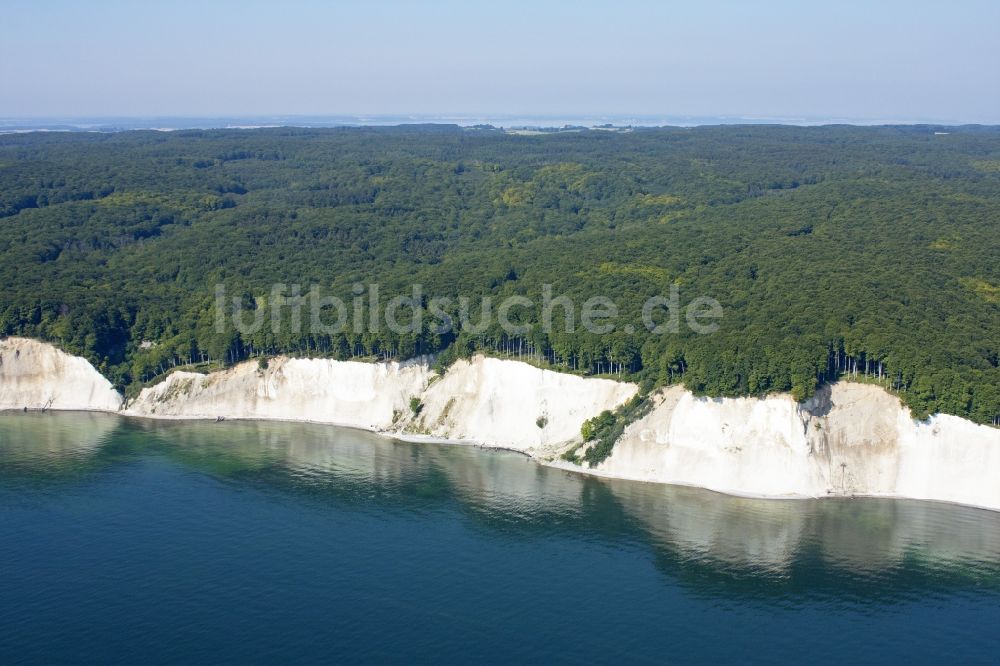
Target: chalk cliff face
487	401
850	439
360	395
39	376
513	405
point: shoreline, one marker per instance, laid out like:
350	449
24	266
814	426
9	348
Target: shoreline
555	464
563	465
410	438
849	440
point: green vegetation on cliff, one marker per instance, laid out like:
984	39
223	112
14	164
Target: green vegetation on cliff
870	251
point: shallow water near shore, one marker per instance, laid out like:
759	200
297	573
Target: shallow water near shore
124	540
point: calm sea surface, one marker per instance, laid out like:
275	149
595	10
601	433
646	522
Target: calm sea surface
137	541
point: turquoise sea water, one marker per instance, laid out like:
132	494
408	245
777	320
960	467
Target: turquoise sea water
137	541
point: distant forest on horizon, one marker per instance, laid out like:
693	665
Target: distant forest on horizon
871	252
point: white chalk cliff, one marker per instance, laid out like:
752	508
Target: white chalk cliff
486	401
348	393
513	405
39	376
850	439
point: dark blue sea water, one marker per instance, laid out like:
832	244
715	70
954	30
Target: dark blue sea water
137	541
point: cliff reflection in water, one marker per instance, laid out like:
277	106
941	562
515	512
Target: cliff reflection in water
56	445
719	544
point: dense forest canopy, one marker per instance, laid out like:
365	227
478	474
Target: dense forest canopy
868	251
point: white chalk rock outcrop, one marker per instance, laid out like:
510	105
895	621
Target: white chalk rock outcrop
484	400
36	375
349	393
514	405
851	439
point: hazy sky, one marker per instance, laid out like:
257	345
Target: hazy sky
873	59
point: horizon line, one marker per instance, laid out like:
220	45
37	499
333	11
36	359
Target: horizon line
108	122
